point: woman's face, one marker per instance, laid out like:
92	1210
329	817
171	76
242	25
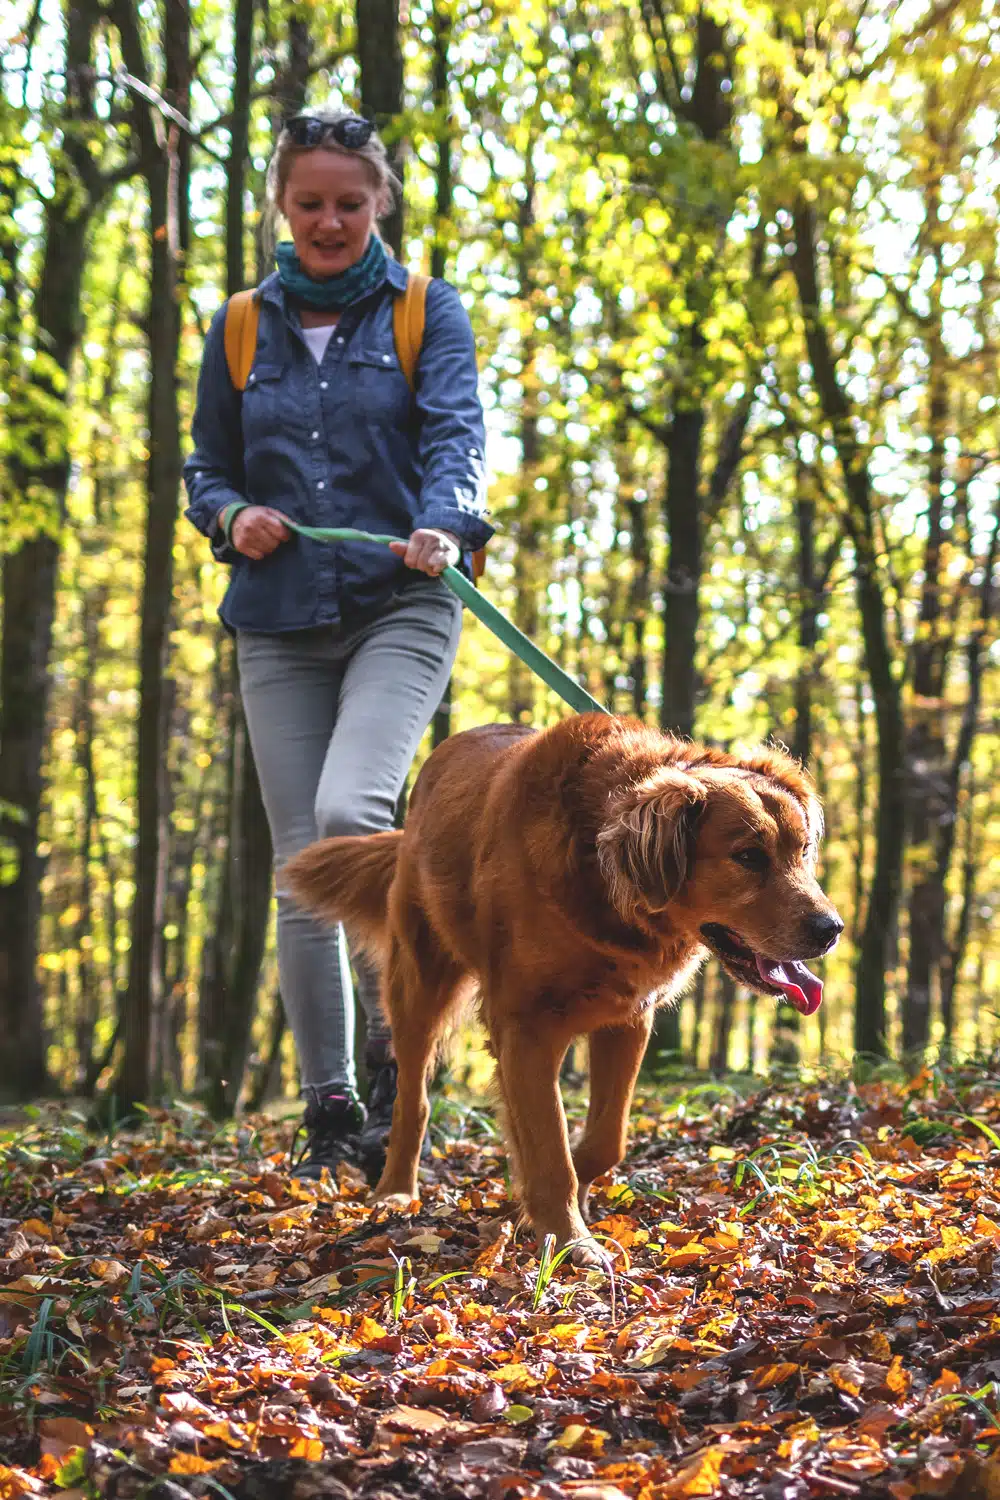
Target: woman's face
330	203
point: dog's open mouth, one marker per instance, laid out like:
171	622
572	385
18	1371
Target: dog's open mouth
789	977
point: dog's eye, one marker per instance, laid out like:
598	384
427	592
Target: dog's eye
752	859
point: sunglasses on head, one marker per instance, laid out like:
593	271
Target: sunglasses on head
351	132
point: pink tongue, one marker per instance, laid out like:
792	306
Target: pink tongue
802	989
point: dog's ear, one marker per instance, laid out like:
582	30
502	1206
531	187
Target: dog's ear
645	846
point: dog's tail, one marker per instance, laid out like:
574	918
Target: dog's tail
347	880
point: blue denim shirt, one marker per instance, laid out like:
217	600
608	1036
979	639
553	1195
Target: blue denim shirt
342	443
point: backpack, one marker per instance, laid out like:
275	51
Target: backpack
408	311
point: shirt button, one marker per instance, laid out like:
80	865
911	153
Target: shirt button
340	338
252	377
385	359
321	485
323	384
315	436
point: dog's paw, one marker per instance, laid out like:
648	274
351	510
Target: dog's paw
590	1255
400	1203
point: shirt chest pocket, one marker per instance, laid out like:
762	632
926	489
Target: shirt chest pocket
270	405
377	387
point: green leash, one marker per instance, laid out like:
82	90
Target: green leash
515	640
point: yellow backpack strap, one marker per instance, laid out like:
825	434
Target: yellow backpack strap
408	315
242	321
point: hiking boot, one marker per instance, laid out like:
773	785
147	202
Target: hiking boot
373	1141
332	1123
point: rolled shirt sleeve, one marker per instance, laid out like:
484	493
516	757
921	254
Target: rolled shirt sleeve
214	473
452	438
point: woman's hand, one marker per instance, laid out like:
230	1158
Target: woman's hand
257	530
429	550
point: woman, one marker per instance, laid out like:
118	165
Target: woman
344	652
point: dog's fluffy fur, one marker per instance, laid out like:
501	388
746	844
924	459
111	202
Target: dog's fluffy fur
577	877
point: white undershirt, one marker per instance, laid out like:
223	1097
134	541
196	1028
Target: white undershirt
317	339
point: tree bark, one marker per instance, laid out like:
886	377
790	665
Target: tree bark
444	179
786	1032
725	1014
380	55
236	942
30	572
164	158
926	752
975	653
883	896
528	526
235	947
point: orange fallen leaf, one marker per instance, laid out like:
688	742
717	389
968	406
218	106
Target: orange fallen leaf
701	1476
36	1227
183	1404
897	1379
228	1433
768	1376
60	1435
413	1419
688	1376
847	1378
489	1258
17	1482
581	1439
109	1270
310	1448
192	1463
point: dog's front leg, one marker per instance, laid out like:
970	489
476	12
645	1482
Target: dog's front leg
528	1071
616	1054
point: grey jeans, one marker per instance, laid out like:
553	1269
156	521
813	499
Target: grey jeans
335	719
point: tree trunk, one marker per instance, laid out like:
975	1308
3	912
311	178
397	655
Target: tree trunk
926	751
165	168
954	951
726	991
528	527
444	177
975	653
235	948
699	1007
787	1028
266	1078
638	603
38	473
380	55
681	514
883	896
236	943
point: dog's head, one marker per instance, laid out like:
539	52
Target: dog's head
729	847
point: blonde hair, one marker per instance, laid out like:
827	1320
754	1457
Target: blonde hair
373	154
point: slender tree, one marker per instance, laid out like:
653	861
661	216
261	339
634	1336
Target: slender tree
164	151
38	471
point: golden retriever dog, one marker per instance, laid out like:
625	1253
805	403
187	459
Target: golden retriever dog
575	877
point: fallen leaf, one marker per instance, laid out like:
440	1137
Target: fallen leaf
517	1415
702	1475
426	1243
768	1376
489	1258
190	1463
59	1435
109	1270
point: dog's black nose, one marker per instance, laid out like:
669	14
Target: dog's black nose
825	928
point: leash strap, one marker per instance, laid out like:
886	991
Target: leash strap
515	640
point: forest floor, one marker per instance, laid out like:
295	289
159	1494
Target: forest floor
804	1302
